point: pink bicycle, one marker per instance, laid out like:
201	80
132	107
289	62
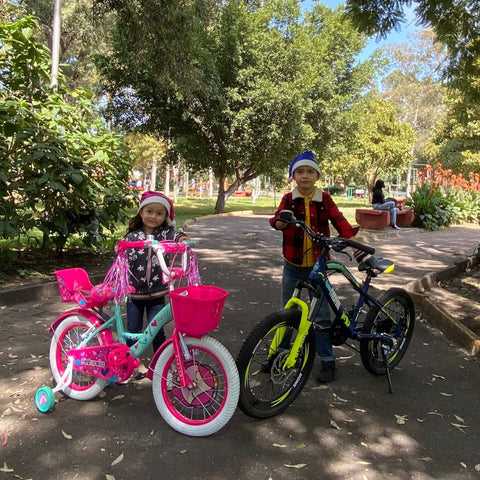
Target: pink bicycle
195	380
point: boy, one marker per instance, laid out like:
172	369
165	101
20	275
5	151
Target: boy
315	207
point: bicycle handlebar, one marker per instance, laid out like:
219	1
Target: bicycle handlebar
166	246
336	243
161	248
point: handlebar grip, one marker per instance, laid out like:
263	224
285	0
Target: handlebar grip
359	246
124	244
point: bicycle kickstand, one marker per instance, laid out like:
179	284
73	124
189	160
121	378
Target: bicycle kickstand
387	369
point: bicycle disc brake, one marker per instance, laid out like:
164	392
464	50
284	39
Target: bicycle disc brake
277	374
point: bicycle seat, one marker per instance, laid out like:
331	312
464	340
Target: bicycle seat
379	264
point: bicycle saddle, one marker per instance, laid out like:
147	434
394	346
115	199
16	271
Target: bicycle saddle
376	263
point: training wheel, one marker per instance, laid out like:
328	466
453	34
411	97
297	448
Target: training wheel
45	399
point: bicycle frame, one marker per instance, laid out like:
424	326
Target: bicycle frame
319	277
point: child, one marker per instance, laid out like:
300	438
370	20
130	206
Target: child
154	217
315	207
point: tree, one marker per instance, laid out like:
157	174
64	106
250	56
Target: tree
60	170
414	84
243	89
455	23
456	140
82	37
378	143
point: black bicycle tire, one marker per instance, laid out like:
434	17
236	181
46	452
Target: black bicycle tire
248	402
373	363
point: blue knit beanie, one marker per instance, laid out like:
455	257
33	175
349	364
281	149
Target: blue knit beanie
307	159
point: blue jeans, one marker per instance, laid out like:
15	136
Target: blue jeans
390	206
291	275
135	312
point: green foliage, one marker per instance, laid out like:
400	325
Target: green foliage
375	143
464	204
242	89
432	207
61	171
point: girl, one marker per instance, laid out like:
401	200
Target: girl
155	217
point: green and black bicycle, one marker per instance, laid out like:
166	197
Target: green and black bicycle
276	358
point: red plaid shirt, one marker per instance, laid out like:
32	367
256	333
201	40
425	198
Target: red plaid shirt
322	209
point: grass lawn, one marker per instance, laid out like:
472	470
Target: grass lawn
190	208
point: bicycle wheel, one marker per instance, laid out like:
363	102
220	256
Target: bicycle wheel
205	409
266	388
68	335
397	319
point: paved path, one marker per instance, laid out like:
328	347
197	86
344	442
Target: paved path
352	429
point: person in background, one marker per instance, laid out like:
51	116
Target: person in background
379	203
155	216
316	208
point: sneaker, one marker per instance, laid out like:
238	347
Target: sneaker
327	372
395	227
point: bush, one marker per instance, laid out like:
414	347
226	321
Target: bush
432	207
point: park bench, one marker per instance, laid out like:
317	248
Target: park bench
377	219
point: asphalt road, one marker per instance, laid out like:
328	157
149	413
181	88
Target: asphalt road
351	429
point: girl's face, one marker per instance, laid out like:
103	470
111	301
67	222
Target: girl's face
153	215
305	177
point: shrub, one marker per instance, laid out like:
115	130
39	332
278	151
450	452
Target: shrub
432	207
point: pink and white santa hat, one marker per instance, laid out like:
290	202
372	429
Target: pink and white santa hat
156	197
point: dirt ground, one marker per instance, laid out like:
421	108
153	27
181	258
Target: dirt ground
460	297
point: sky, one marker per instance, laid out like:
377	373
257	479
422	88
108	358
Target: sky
394	38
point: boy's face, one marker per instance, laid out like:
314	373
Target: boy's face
305	177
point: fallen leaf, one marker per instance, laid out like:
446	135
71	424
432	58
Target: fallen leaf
7	412
118	397
459	425
477	467
339	399
279	445
333	424
66	435
438	376
300	446
460	419
426	459
401	419
320	387
298	465
5	468
463	464
109	477
446	394
363	462
118	459
4	438
183	451
435	413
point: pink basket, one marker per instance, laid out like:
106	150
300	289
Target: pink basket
197	309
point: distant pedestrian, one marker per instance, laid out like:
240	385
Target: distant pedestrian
379	203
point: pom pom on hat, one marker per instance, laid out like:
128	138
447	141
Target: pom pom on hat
307	159
156	197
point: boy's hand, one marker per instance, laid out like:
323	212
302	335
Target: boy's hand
279	224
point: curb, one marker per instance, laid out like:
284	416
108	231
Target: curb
438	317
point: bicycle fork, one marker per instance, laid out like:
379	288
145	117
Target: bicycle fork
182	353
303	329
